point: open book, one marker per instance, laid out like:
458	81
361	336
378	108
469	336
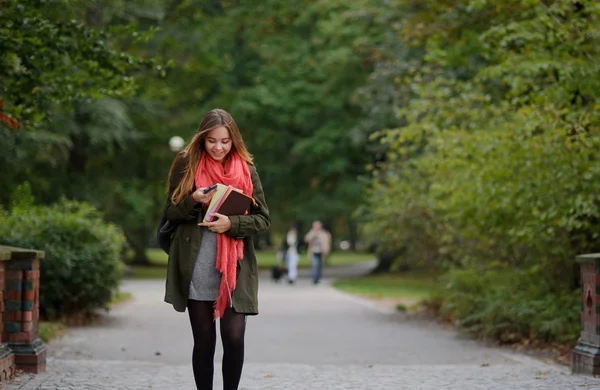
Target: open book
228	200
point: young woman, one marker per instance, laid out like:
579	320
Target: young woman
212	269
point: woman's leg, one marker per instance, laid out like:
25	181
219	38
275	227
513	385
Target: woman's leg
205	337
233	328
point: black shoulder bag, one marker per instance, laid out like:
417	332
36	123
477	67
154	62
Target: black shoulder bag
165	231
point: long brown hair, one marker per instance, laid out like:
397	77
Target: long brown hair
193	151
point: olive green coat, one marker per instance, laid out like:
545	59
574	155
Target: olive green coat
186	241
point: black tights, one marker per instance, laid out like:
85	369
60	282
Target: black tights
233	327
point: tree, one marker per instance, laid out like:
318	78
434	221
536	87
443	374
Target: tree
69	84
49	58
288	73
495	161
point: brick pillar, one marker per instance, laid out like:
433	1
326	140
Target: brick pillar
585	358
21	310
7	359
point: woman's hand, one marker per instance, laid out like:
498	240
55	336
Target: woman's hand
200	197
221	225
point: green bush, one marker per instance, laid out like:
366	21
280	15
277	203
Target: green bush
510	306
82	265
494	165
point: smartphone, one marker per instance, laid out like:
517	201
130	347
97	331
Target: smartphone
209	189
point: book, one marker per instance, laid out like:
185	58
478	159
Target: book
228	200
221	189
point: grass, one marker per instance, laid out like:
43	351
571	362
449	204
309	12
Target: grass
148	272
411	286
157	256
265	260
50	330
119	297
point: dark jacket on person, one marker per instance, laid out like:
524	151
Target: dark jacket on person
186	241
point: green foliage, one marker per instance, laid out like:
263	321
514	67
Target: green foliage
82	264
477	120
50	57
103	121
280	75
22	198
494	161
71	70
511	307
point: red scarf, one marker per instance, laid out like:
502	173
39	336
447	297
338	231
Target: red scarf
237	174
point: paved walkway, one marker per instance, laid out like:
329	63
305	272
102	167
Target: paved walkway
306	337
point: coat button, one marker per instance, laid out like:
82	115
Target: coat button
187	239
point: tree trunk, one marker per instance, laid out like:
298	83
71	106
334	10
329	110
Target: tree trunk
268	239
140	257
385	260
139	248
94	15
256	239
352	234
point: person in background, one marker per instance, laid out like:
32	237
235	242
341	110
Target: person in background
290	253
319	246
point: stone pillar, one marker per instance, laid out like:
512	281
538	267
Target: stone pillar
585	358
21	309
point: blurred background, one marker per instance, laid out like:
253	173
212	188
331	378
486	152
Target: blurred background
454	141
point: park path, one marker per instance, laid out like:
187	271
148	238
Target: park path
306	337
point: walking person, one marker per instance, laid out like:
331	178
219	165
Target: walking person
290	250
212	270
319	246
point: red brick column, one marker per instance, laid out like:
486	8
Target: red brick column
21	309
585	358
7	359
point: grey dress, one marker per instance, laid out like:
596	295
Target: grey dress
206	279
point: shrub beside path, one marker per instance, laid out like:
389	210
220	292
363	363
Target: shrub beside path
306	337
